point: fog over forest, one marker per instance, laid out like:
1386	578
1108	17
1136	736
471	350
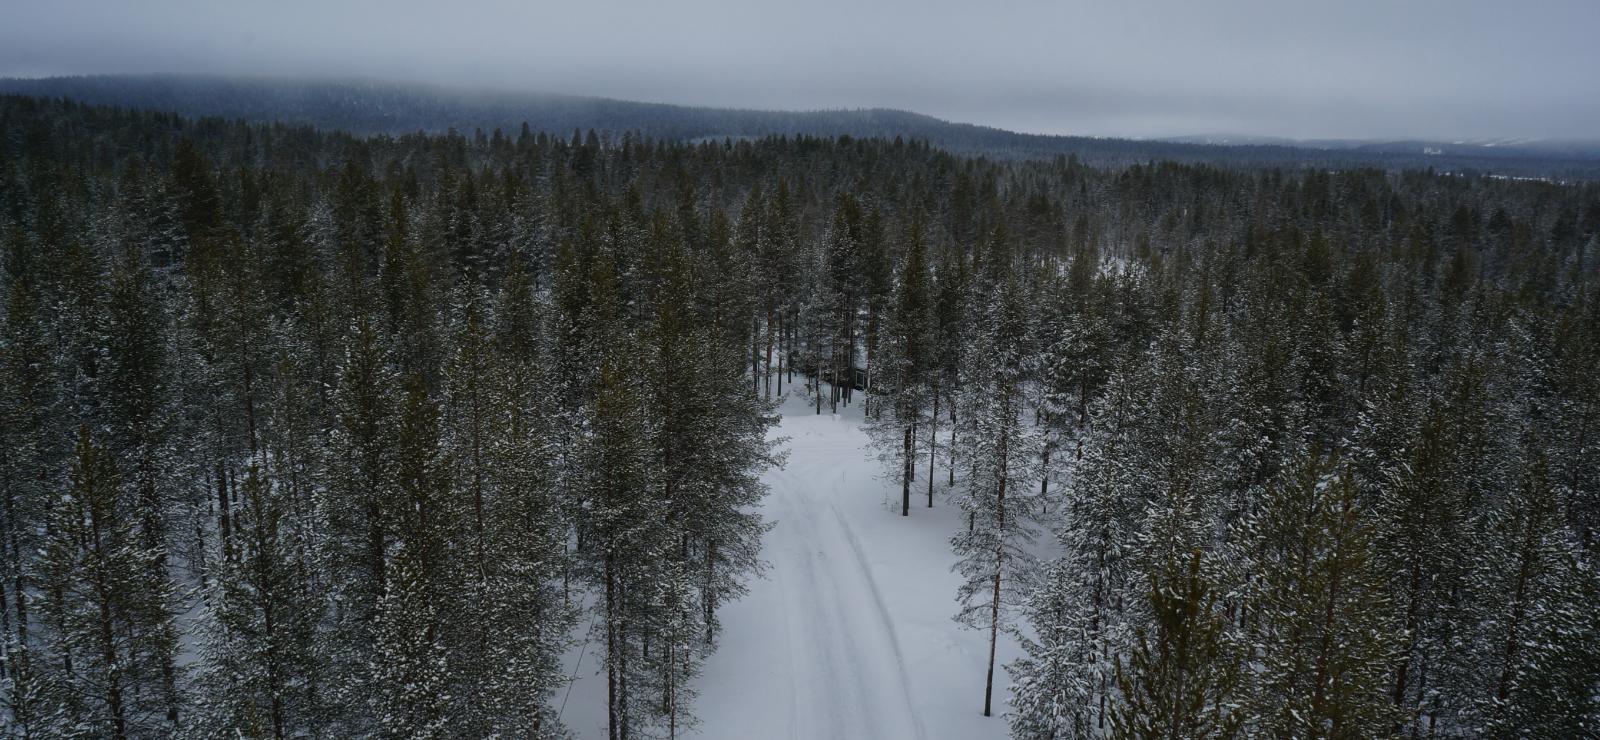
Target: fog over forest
826	371
1423	69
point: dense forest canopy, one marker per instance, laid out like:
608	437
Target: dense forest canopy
312	434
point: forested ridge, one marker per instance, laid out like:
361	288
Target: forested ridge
365	106
310	434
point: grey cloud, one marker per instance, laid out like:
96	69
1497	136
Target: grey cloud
1355	68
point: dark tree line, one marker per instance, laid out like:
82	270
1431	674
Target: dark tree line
305	433
311	436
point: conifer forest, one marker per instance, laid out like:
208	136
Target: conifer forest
481	433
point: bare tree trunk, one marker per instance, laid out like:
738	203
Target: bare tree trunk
755	356
994	636
624	729
108	640
905	474
833	385
224	523
710	598
613	726
767	375
817	381
850	362
867	409
375	549
1044	477
1402	672
999	567
933	442
10	541
954	430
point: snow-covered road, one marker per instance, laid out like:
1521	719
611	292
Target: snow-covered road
849	634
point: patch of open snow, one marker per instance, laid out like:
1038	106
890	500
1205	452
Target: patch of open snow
850	633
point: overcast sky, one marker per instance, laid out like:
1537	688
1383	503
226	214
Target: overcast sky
1331	68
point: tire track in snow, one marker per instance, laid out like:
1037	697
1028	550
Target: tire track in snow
884	617
837	670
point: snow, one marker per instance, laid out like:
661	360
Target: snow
850	633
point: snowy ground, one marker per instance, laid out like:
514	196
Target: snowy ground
849	635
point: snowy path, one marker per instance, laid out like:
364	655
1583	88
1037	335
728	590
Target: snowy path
849	635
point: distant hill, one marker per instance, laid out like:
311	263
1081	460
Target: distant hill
1485	148
379	107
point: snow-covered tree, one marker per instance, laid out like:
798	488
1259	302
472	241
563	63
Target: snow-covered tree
999	499
1318	625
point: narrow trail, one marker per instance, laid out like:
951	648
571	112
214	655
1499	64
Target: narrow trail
814	635
849	634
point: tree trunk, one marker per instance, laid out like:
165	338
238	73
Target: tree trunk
994	636
1044	473
755	356
933	442
1514	629
818	388
623	730
833	383
999	567
18	576
107	633
850	362
766	376
710	597
224	525
613	726
375	550
250	405
477	495
1404	669
953	431
909	456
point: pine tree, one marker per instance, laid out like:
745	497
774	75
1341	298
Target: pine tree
357	509
903	373
840	301
1072	369
260	619
999	499
138	408
1081	610
1534	649
816	335
1422	541
410	670
412	675
1059	685
28	401
109	613
527	616
950	308
230	316
1316	612
1180	678
624	533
